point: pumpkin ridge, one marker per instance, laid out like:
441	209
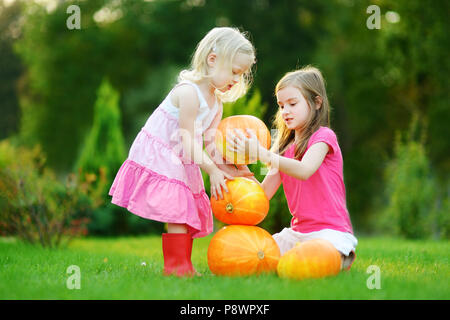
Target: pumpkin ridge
246	196
251	240
228	244
234	251
235	259
250	212
239	184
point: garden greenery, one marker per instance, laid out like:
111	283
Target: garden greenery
35	205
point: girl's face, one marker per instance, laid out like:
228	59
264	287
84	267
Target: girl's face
224	78
293	106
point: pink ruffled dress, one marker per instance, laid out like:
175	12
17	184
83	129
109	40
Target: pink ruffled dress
157	181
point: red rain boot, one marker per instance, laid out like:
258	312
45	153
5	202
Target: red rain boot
177	249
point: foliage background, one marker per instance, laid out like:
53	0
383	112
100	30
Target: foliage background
378	82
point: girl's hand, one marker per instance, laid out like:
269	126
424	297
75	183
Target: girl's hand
236	170
243	171
217	180
239	143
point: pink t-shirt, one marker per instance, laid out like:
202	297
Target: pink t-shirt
319	202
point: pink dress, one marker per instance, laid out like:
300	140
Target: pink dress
157	181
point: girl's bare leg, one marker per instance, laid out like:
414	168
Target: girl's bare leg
176	228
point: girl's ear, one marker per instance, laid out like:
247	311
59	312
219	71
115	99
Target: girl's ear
211	59
318	100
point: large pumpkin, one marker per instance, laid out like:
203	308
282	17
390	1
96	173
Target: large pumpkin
310	259
242	250
244	203
242	122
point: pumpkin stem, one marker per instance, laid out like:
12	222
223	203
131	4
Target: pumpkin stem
261	254
229	208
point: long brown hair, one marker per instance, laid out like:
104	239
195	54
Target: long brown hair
310	82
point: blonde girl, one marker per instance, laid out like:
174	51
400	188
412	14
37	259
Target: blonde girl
161	178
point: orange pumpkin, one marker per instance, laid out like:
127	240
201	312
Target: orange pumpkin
242	250
242	122
244	203
310	259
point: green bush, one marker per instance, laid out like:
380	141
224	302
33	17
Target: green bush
410	189
442	218
104	145
35	205
104	151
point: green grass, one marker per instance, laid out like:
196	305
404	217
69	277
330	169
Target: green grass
111	269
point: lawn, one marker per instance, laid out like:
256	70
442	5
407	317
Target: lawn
113	269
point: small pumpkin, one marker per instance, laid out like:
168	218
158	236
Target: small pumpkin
310	259
241	122
242	250
245	203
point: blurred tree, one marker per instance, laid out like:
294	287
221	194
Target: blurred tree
250	104
376	78
416	51
104	145
140	101
10	68
285	34
351	61
124	40
410	188
102	154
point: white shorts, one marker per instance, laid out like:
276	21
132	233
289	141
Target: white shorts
344	242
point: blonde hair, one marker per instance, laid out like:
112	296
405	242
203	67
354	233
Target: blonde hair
310	82
226	42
